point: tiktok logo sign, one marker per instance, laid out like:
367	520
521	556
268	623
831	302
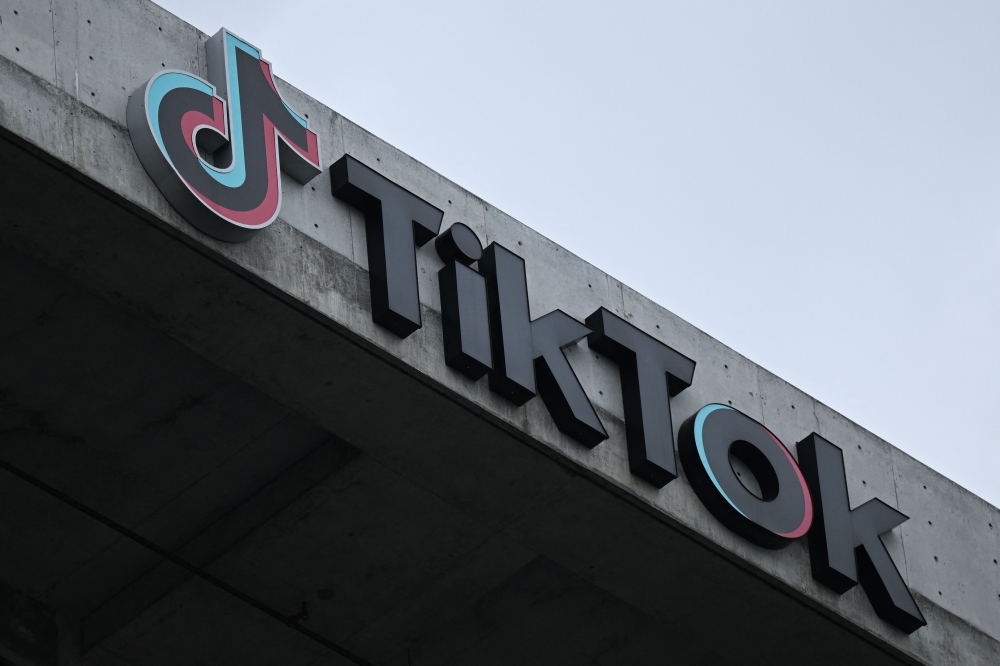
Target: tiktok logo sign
214	148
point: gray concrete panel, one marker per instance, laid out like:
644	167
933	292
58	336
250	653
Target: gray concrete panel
27	38
951	550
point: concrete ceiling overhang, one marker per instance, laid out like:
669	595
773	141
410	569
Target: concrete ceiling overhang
172	393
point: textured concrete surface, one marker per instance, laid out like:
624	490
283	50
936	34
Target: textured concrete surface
235	403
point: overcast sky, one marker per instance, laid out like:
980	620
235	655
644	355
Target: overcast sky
815	184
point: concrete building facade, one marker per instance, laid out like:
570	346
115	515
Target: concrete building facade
212	454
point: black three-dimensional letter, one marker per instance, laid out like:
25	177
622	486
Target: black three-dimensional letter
464	314
522	348
651	372
396	222
845	545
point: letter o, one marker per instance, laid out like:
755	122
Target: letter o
783	513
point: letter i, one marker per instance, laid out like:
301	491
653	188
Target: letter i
464	308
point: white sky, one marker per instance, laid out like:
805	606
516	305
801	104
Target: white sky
813	183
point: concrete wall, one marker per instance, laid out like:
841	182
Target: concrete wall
66	70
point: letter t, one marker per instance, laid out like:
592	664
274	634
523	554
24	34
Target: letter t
396	223
651	372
